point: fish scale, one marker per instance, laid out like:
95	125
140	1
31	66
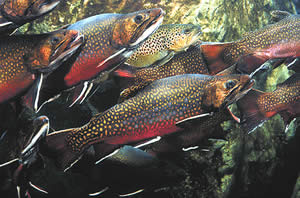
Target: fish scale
155	111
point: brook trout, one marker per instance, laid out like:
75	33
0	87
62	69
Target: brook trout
157	110
24	59
162	45
15	13
279	40
110	40
257	107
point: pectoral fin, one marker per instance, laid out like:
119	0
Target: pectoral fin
188	122
80	92
31	98
165	59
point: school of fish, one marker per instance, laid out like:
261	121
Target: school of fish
176	91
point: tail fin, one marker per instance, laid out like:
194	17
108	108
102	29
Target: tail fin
251	116
214	54
55	146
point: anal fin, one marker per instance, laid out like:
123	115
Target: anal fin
80	92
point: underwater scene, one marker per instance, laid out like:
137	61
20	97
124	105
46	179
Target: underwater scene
168	99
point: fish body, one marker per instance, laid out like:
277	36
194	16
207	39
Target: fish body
278	40
15	13
155	111
161	46
257	107
25	58
189	62
109	40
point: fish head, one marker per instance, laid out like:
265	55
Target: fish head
55	48
22	11
184	35
132	29
225	90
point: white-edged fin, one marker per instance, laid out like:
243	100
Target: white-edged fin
111	57
148	32
3	135
36	98
99	193
18	191
148	142
288	126
43	131
6	23
190	148
85	87
292	63
256	127
107	156
195	117
87	92
259	68
48	7
72	164
9	162
50	100
133	193
205	150
37	188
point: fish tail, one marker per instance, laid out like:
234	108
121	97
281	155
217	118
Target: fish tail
214	55
251	116
55	146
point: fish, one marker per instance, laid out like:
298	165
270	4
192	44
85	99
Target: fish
109	40
155	111
147	172
189	62
277	40
257	106
20	150
25	60
162	45
15	13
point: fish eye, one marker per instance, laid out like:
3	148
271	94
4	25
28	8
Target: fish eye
187	31
138	19
230	84
55	40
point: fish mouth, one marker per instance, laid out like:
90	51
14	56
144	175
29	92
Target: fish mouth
238	92
75	42
150	28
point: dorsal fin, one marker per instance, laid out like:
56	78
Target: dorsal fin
277	15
